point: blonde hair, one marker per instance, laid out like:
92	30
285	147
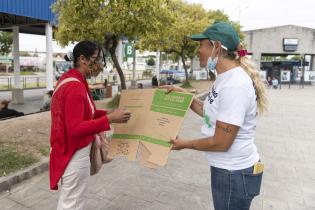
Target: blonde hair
259	86
253	73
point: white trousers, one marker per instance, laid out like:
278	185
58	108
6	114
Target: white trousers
74	181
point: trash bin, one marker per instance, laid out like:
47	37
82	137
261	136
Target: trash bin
109	93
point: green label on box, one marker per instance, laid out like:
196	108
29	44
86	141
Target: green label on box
172	103
167	110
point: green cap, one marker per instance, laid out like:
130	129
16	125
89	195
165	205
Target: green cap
220	31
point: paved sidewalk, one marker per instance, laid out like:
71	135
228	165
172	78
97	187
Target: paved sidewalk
285	138
33	100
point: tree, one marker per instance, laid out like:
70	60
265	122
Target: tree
6	40
296	58
219	15
187	19
107	21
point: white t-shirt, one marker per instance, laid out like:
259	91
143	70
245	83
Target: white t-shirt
232	99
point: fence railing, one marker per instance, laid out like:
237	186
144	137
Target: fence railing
115	78
31	82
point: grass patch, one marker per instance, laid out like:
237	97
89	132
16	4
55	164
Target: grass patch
35	84
44	151
28	85
12	160
5	74
4	87
28	73
114	103
186	84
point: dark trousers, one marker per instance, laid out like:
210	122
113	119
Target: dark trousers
234	190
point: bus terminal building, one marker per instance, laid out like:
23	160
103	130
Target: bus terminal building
288	40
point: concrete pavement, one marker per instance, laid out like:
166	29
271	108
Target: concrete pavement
285	139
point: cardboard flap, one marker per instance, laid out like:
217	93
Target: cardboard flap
145	154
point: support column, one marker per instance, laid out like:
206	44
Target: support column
312	66
257	59
17	92
16	58
179	64
49	58
157	65
134	63
160	62
119	53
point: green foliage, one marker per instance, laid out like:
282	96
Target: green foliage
219	15
296	58
280	58
44	151
6	40
150	62
114	102
12	160
27	73
155	24
187	19
186	84
25	54
147	73
106	21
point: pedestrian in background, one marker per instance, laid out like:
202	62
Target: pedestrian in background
5	112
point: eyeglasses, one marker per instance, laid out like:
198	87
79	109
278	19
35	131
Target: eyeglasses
97	60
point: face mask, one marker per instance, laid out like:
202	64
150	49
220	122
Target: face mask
212	62
95	69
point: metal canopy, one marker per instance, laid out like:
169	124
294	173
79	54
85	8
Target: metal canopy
30	15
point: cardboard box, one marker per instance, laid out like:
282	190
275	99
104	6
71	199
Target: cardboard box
156	117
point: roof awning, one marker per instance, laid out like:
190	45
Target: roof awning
26	25
30	16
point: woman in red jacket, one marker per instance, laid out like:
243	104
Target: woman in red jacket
74	123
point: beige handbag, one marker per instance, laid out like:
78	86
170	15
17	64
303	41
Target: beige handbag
99	149
99	152
100	146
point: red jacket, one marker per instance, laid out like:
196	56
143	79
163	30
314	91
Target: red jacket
72	123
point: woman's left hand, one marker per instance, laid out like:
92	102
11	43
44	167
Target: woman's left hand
178	144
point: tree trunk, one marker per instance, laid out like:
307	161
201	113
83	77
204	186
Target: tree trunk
185	68
192	67
111	46
192	64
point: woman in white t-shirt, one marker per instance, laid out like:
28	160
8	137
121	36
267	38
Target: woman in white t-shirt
229	112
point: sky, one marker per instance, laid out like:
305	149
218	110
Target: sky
255	14
252	14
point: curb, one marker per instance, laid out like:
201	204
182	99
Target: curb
7	182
